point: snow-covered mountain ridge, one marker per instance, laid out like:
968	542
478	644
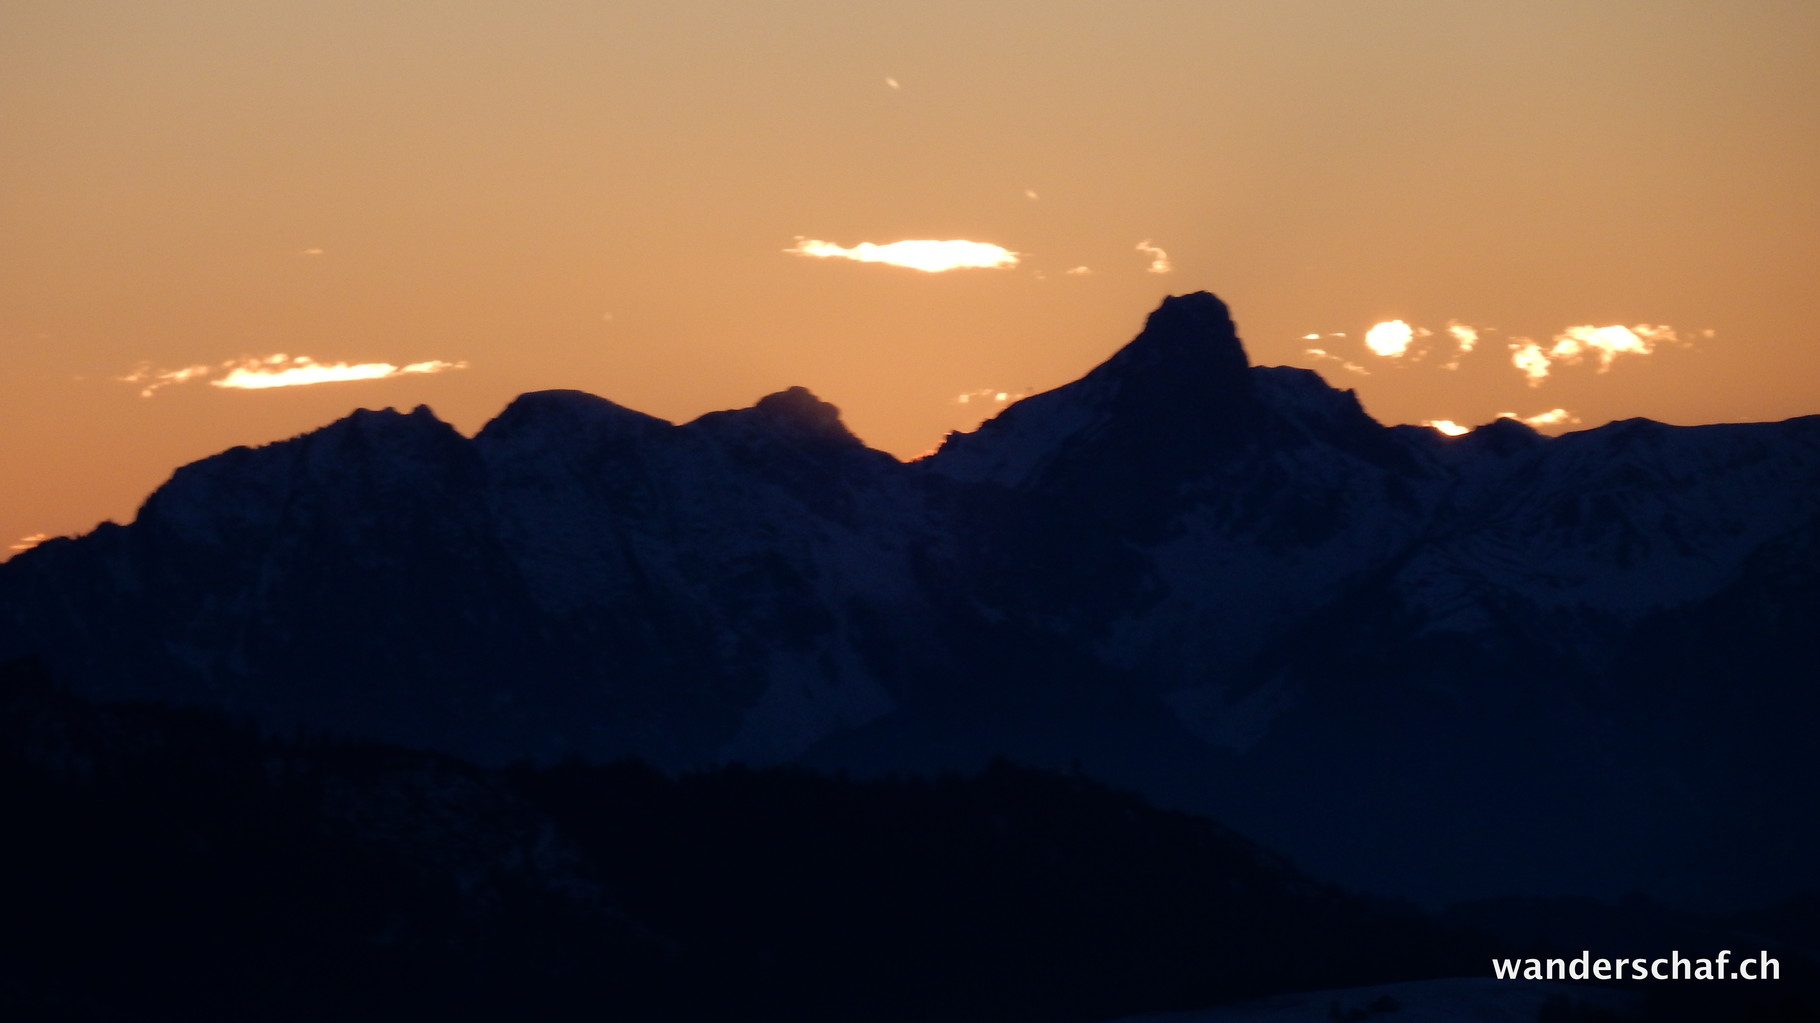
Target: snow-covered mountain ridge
1224	584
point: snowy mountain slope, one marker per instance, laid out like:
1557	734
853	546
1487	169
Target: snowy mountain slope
1223	584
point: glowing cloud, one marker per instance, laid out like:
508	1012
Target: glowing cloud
1397	339
26	543
278	371
991	395
891	83
1159	260
1345	364
1577	343
1463	335
283	371
928	256
1530	360
1553	417
1389	339
1079	271
153	379
1465	338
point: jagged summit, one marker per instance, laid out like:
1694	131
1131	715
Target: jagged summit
366	418
798	408
794	414
1178	391
1187	336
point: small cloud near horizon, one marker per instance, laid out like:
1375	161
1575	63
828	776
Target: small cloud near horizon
1463	335
1576	344
1553	417
1159	260
1345	364
918	254
989	394
1400	340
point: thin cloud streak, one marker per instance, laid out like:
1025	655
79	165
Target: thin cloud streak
1553	417
281	371
917	254
250	374
1345	364
988	394
154	379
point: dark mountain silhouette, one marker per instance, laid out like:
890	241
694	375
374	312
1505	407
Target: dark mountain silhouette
1496	664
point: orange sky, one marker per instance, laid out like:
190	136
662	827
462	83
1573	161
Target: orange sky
504	197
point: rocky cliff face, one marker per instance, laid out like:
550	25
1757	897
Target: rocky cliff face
1434	665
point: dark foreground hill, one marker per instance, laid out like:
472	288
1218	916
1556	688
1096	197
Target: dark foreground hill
170	864
1490	665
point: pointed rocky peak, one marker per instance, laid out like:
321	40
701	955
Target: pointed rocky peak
798	409
1189	340
1177	392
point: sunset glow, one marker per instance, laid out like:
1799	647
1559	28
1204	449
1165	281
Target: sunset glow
889	204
